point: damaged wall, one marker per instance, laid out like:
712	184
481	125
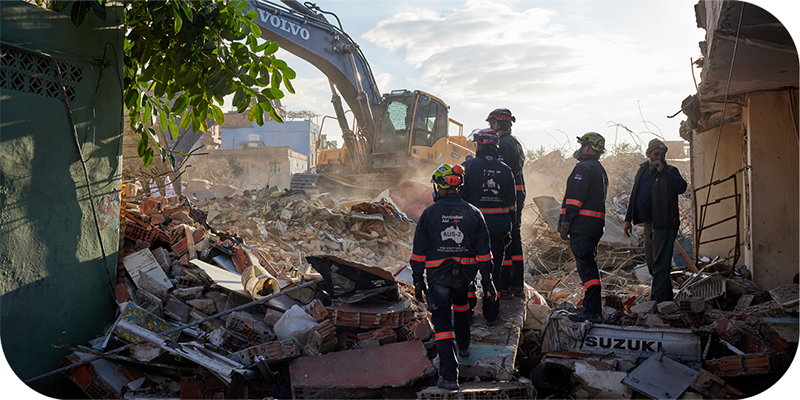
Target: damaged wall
750	62
772	138
728	160
54	277
260	167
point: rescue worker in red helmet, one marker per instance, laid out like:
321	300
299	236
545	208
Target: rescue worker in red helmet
583	219
451	243
489	185
511	153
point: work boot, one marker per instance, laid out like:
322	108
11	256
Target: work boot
504	294
445	384
492	322
581	317
463	352
518	291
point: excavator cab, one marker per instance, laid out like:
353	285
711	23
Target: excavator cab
412	121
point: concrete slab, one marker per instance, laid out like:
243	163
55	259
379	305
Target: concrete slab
356	373
493	349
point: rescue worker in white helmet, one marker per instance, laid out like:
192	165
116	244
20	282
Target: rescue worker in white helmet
489	185
510	152
451	243
582	220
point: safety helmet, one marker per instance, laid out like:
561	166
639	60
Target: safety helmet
594	139
486	137
501	114
447	176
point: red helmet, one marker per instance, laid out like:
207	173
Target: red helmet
501	114
486	137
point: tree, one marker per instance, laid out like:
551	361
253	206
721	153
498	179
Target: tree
182	57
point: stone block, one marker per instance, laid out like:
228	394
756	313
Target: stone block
647	307
667	307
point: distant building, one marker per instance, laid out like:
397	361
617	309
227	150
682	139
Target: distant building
678	149
263	166
239	133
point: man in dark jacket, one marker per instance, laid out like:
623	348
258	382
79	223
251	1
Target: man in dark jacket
489	185
511	153
654	203
582	220
451	243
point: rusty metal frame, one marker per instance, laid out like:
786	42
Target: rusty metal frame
737	198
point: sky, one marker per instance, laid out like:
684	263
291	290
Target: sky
562	67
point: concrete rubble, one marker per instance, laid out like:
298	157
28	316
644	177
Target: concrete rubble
286	294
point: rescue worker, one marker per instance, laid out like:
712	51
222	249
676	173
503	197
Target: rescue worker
583	219
450	243
489	185
654	203
510	152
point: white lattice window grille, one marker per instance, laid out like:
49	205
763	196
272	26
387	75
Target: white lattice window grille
26	72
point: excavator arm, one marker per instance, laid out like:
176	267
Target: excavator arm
307	34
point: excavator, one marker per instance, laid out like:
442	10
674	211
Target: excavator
394	136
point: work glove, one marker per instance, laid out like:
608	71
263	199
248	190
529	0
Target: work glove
419	291
489	291
564	232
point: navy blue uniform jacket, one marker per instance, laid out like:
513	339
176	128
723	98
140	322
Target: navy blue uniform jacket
584	205
489	185
451	233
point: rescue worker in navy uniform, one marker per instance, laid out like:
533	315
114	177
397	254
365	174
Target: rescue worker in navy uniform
489	185
654	203
511	153
583	219
451	243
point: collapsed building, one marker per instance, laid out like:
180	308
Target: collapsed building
327	291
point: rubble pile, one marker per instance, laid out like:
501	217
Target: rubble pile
284	294
219	296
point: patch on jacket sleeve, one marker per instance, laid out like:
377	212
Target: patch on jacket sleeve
578	176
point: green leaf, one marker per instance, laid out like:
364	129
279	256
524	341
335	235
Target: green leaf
272	48
276	79
178	20
288	73
186	119
280	64
131	98
163	155
254	111
180	104
171	160
173	127
288	84
241	5
253	26
238	96
219	116
162	119
142	145
78	12
147	110
273	94
274	115
147	158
